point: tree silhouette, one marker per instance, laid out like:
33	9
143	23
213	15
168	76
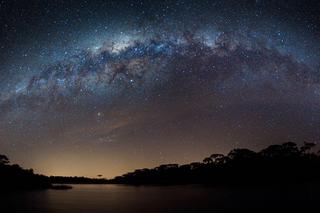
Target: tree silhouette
284	163
288	149
15	177
242	154
307	147
218	158
207	160
4	159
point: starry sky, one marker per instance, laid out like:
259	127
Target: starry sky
105	87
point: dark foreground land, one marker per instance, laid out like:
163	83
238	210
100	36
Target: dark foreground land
13	177
280	178
275	165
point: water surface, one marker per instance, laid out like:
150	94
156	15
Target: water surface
190	198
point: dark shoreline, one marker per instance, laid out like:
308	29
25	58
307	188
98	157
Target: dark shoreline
275	165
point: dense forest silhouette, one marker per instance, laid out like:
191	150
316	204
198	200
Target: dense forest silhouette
14	177
276	164
77	180
285	163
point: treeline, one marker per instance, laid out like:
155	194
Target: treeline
14	177
285	163
76	180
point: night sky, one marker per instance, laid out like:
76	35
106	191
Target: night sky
105	87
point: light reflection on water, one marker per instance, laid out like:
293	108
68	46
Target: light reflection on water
191	198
